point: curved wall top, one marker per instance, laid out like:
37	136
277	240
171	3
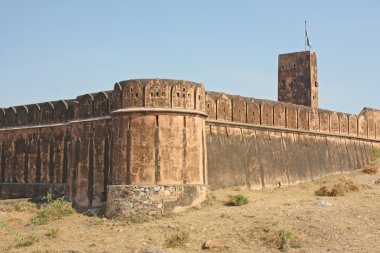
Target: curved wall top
159	93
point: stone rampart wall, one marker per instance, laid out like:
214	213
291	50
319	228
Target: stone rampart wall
261	143
242	154
152	132
83	143
223	107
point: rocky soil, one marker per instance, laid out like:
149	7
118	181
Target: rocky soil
288	219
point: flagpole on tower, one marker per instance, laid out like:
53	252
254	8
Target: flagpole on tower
305	35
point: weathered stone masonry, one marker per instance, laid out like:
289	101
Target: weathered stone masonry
155	145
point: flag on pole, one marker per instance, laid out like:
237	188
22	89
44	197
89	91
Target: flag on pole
307	40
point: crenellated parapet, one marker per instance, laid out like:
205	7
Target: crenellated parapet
158	93
260	112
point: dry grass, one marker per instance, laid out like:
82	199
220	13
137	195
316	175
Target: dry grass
177	240
370	170
26	241
53	232
339	189
281	239
52	210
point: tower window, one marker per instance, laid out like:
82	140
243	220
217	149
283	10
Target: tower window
294	65
282	67
316	83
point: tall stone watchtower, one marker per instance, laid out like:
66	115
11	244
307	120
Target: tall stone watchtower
297	78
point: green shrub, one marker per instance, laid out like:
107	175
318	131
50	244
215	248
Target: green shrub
375	155
26	241
177	240
237	200
52	210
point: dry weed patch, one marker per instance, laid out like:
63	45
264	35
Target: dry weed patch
26	241
371	170
53	232
281	239
339	189
177	240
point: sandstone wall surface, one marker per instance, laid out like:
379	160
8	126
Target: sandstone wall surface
79	147
153	131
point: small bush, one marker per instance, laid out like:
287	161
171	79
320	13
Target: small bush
52	210
209	201
281	239
138	218
98	221
26	241
177	240
237	200
370	170
338	189
53	232
24	206
375	155
4	225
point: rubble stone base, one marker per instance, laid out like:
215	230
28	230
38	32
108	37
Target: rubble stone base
129	200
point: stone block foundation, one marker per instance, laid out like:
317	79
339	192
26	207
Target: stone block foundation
129	200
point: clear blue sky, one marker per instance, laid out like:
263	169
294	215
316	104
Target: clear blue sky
51	50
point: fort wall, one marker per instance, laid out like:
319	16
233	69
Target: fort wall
167	132
144	132
261	143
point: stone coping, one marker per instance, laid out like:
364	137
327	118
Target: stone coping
287	130
56	124
159	110
154	185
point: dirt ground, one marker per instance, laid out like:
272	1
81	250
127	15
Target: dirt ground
285	219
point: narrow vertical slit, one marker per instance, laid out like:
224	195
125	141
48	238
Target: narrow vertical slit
128	157
76	168
90	190
105	169
26	164
14	162
51	161
38	162
184	122
157	123
3	163
65	160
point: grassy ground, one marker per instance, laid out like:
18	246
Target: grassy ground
282	219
